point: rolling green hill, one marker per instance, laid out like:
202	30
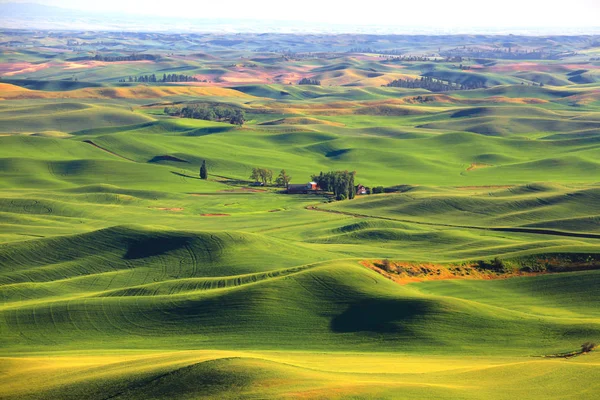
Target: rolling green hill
123	275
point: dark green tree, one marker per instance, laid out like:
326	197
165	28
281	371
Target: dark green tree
341	183
283	179
203	170
238	118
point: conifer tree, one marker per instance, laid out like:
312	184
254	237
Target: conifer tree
203	170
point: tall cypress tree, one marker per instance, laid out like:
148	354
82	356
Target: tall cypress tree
203	171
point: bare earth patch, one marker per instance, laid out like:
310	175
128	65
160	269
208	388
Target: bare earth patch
404	273
477	166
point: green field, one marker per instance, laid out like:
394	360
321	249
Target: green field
123	275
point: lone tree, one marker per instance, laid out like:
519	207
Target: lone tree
283	179
203	171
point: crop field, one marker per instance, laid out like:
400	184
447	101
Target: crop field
473	274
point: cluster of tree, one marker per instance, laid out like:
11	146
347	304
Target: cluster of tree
234	65
288	55
307	81
426	82
496	265
131	57
265	175
341	183
421	99
377	190
234	116
541	84
165	78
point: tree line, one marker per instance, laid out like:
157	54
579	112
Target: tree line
131	57
234	116
425	82
506	54
165	78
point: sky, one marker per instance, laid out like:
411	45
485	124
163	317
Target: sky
430	13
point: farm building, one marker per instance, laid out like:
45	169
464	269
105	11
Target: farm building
360	189
303	188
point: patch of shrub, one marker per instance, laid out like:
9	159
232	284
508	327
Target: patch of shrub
386	264
378	189
587	347
496	265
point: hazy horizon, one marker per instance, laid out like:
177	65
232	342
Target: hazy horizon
439	17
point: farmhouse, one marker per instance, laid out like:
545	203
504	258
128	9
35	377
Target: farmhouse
360	189
303	188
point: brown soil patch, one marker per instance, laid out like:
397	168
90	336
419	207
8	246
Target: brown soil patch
167	208
215	215
274	210
404	273
477	166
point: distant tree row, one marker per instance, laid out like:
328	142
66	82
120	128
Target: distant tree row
411	59
131	57
376	51
165	78
431	58
234	116
507	53
307	81
426	82
341	183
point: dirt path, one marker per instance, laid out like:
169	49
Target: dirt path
535	231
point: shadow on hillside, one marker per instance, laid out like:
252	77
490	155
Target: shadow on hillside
185	176
154	246
379	316
211	130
